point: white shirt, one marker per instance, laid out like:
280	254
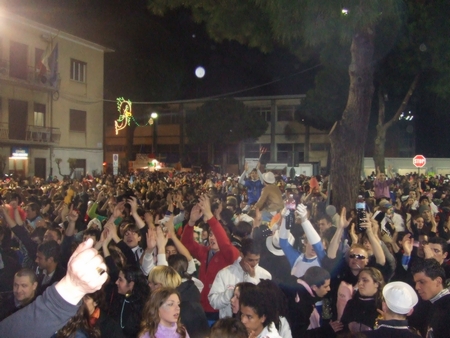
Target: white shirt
226	279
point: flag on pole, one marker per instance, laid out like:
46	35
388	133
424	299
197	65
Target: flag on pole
49	67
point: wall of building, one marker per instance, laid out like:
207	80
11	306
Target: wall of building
56	138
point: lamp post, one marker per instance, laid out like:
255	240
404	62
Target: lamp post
154	119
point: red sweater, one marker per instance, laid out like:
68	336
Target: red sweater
224	257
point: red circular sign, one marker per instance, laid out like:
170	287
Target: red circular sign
419	161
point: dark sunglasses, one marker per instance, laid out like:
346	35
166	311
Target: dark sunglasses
353	256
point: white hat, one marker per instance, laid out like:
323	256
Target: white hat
273	243
269	177
399	297
97	222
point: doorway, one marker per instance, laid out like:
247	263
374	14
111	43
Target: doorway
40	167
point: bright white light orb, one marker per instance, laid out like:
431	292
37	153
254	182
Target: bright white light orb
200	72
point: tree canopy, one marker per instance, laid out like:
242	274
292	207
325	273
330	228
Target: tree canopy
353	44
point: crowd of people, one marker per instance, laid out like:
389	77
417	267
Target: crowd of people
202	254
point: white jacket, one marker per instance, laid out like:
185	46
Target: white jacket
273	333
226	279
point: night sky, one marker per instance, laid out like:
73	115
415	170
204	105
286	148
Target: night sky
155	59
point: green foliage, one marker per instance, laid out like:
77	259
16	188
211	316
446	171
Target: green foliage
224	121
263	23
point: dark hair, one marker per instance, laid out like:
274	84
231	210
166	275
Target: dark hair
439	240
316	275
243	229
249	246
430	267
93	232
79	322
50	249
257	300
276	297
180	264
16	196
34	207
325	217
27	272
56	230
424	198
170	242
39	232
98	297
140	288
228	328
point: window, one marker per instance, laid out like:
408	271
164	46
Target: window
285	113
253	150
77	120
39	115
319	146
264	112
78	70
79	168
38	55
284	152
18	60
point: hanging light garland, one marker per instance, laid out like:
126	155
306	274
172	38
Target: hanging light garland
124	108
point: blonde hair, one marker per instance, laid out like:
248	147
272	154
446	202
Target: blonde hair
165	275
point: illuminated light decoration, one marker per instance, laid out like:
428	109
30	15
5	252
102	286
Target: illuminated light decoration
124	108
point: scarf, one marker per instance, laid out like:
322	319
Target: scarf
93	318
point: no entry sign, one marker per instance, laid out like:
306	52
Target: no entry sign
419	161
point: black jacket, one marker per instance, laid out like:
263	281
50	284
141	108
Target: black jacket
300	307
395	331
60	272
439	318
128	312
192	315
109	328
361	310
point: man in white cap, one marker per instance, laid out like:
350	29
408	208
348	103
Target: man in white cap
271	201
399	301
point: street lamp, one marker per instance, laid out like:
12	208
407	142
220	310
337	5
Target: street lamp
153	120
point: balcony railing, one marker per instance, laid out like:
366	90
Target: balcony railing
33	134
30	75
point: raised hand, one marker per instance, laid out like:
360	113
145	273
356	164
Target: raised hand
407	244
132	201
195	215
344	222
205	206
86	273
302	212
151	239
161	239
72	216
118	209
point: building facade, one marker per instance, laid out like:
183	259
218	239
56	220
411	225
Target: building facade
288	142
51	100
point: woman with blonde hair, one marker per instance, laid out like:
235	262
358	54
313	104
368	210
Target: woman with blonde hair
161	315
360	313
163	276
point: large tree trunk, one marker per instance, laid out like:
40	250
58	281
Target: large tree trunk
379	148
348	136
